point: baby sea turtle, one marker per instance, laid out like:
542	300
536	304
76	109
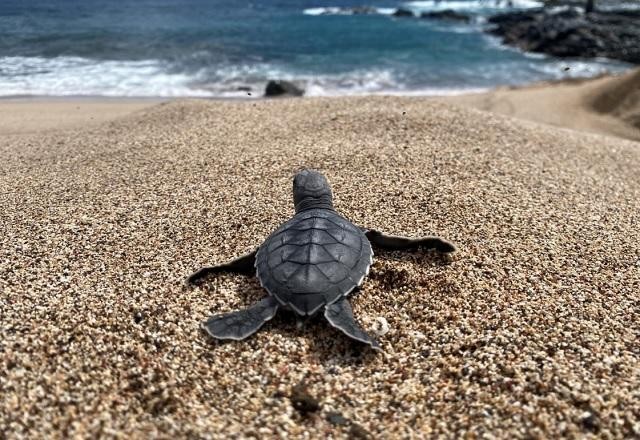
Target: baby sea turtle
311	262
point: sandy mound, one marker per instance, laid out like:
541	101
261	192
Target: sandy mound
619	97
607	105
531	330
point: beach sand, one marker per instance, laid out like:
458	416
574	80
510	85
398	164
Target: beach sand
35	115
529	331
606	105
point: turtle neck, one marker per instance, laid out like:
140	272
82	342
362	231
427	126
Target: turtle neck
322	202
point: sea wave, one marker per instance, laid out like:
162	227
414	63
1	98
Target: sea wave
323	11
75	76
337	10
470	5
631	6
72	76
357	82
418	7
572	68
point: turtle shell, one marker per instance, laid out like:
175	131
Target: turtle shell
313	260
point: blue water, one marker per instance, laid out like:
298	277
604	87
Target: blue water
218	48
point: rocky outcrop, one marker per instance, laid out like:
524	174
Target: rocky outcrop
447	14
571	33
403	13
282	88
363	10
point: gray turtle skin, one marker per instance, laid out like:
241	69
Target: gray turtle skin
310	263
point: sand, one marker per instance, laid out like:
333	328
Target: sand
36	115
530	331
606	105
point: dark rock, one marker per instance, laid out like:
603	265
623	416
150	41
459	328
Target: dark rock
403	13
282	88
590	422
570	33
363	10
337	419
302	401
357	431
447	14
560	3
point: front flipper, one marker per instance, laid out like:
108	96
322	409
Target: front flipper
243	323
394	242
243	265
340	315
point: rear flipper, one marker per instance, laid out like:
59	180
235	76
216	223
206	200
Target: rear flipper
340	315
243	323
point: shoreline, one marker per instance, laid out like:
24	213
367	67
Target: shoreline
560	102
428	93
399	94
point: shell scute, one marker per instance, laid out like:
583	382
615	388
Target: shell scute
285	271
313	260
308	279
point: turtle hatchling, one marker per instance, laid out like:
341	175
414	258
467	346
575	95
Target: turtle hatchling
310	264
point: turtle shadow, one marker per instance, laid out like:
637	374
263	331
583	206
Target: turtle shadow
326	343
390	277
248	289
332	348
418	257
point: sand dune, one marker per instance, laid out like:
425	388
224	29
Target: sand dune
619	97
531	330
607	105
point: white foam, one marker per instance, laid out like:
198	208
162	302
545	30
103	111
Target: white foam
336	10
371	82
579	69
631	6
75	76
322	11
72	76
470	5
417	7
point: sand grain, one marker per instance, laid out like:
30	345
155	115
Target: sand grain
531	330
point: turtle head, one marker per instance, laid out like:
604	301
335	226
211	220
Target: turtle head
311	190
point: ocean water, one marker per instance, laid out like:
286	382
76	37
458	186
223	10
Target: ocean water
220	48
